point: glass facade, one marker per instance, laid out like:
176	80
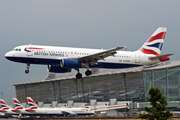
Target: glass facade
124	87
168	80
132	86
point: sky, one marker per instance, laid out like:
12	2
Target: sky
80	23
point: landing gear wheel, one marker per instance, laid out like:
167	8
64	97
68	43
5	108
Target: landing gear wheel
26	71
78	75
88	72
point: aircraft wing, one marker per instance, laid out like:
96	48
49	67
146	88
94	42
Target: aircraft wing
93	58
32	110
67	112
105	108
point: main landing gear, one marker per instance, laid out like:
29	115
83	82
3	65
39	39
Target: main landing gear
79	75
27	71
88	73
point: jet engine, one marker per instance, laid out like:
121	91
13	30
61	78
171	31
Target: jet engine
71	63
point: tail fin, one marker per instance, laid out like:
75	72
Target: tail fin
3	104
16	102
17	105
31	103
154	44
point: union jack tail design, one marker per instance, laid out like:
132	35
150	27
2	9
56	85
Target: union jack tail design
31	103
3	105
17	104
154	44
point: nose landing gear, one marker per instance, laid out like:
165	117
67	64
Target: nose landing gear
27	71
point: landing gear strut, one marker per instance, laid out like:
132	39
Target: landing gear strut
27	71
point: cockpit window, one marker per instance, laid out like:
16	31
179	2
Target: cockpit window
16	49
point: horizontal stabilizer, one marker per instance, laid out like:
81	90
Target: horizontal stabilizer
159	57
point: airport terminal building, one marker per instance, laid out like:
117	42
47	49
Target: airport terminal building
130	84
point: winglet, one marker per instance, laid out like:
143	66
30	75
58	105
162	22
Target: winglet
125	47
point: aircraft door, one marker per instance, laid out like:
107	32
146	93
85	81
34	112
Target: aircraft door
137	57
30	53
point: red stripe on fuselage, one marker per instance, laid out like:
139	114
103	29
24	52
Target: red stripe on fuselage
158	36
34	48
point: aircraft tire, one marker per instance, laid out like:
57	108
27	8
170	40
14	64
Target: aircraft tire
26	71
88	72
78	75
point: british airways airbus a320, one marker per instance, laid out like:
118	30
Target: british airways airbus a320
63	59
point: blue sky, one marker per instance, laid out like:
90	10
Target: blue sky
80	23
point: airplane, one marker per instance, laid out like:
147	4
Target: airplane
6	109
71	112
18	108
64	59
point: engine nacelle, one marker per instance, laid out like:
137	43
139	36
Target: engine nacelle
57	69
71	63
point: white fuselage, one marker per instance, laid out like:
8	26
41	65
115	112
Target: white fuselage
10	112
62	111
50	55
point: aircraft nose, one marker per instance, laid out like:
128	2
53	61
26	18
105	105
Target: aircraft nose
8	55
